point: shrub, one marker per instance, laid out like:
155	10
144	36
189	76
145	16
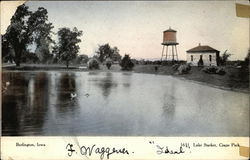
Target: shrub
247	58
175	67
214	70
108	63
220	71
224	58
126	63
184	68
93	64
166	63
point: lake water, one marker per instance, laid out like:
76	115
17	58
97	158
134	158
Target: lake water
119	104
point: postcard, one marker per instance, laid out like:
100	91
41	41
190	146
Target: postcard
125	80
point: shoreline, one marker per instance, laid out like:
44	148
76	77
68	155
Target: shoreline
196	76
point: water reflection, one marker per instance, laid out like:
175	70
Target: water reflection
31	91
126	78
169	102
66	93
13	103
94	73
106	84
25	104
119	104
10	116
169	108
35	113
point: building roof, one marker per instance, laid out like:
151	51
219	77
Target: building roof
170	30
202	49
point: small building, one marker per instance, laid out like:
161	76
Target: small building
203	56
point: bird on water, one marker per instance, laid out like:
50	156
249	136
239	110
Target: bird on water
73	96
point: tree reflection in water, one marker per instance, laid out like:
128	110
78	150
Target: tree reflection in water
106	84
169	102
13	103
126	78
25	103
10	120
65	87
38	110
39	103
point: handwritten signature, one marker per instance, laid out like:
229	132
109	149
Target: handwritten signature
165	150
104	152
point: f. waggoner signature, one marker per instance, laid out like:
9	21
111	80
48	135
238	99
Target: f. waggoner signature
104	152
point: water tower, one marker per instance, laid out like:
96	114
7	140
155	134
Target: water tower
169	39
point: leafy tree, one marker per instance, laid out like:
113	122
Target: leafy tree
224	57
43	52
82	59
17	33
116	56
106	51
27	27
30	57
40	28
6	50
126	63
67	46
93	64
5	47
55	53
103	52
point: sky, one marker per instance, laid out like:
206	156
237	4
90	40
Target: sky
136	27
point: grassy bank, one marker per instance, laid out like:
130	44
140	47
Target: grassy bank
234	79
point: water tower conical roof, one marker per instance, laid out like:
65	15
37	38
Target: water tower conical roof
170	30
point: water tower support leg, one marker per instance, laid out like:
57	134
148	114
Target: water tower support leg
176	53
162	52
167	53
172	53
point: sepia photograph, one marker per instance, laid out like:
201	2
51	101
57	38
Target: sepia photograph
125	68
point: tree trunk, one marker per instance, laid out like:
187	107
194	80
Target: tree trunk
67	64
17	63
17	57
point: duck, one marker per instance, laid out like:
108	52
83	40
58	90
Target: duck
73	95
87	95
4	88
7	84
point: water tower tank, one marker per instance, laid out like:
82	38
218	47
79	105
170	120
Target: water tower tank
169	37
